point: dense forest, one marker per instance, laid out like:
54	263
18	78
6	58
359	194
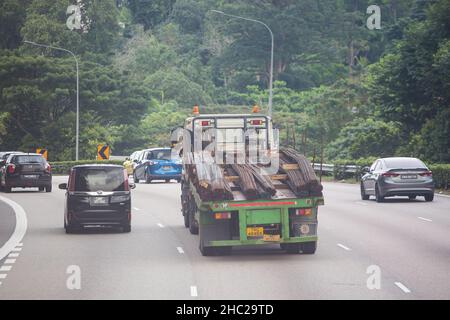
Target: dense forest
360	92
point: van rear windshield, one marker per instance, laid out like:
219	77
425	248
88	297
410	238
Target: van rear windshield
99	179
29	159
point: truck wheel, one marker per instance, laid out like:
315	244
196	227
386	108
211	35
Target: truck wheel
292	248
7	189
193	227
378	197
126	228
308	247
429	197
167	180
48	189
206	251
364	196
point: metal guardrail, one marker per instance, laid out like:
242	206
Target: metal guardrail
330	167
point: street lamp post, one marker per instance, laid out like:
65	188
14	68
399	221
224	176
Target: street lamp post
78	96
271	52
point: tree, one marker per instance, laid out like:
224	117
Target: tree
150	13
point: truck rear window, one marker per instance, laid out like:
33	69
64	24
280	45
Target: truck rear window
99	179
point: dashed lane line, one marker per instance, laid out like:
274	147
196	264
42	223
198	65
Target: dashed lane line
343	247
194	292
13	255
402	287
180	250
425	219
5	268
10	261
160	225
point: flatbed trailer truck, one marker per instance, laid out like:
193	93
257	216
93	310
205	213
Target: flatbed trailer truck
284	218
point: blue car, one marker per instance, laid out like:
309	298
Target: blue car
157	164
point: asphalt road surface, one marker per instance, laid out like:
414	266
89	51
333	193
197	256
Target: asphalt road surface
407	242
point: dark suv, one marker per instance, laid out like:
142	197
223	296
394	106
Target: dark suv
97	195
26	170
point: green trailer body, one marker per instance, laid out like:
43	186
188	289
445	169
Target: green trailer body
222	225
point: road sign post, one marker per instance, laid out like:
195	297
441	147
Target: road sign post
103	152
43	152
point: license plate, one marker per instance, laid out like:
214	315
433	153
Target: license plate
255	231
30	176
166	168
271	237
408	176
99	201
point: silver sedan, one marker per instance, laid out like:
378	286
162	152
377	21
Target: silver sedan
397	176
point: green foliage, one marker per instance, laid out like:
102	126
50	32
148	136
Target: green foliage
441	175
63	167
150	13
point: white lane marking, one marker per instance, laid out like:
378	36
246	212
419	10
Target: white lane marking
194	292
343	247
180	250
160	225
20	245
10	261
402	286
13	255
16	249
2	275
19	231
137	209
5	268
425	219
362	203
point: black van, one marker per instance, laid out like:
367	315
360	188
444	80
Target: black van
97	195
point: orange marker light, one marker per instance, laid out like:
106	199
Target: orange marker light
255	109
195	110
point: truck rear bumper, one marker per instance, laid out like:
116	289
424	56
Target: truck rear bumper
222	243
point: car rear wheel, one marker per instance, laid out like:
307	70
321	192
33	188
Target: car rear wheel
147	179
378	197
71	229
126	228
429	197
364	196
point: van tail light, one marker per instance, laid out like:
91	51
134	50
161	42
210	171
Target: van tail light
390	174
126	185
205	123
256	122
11	168
72	180
426	174
303	212
48	168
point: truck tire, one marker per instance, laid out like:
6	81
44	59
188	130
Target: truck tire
48	189
308	247
126	228
429	197
364	196
292	248
193	227
7	189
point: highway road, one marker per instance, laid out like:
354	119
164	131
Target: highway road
408	242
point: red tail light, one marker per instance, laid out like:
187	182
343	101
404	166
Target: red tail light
11	168
72	180
256	122
390	174
426	174
126	185
222	215
205	123
303	212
